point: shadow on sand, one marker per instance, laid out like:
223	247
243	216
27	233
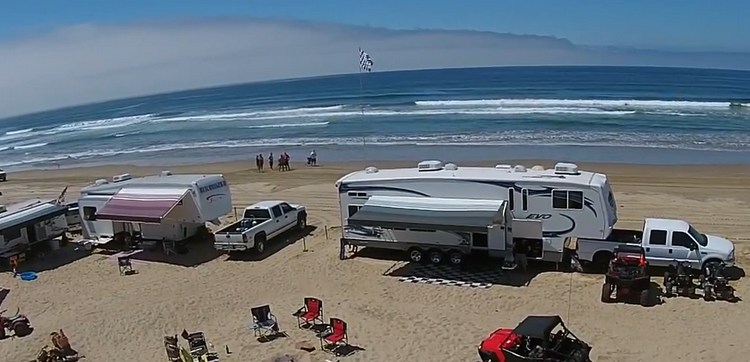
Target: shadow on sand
274	245
475	272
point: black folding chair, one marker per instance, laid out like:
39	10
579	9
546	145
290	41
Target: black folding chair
265	323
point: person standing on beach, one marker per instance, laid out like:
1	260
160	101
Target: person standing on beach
270	160
257	163
261	161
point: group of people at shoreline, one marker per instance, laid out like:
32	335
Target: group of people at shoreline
283	161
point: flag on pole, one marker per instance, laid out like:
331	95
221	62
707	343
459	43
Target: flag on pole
365	62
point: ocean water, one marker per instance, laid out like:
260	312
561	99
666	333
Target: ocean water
608	114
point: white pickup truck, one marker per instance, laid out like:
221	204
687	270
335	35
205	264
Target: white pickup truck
665	241
260	222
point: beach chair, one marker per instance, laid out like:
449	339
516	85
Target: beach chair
198	347
125	266
172	349
310	314
265	323
334	336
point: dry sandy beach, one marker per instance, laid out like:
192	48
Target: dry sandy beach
110	318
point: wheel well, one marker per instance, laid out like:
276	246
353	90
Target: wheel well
415	248
302	214
602	257
260	236
710	260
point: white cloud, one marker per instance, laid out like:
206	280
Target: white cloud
88	63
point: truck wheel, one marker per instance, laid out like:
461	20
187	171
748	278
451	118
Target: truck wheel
456	257
260	244
607	293
416	255
436	257
301	222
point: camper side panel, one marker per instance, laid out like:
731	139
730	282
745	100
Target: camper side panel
213	197
88	206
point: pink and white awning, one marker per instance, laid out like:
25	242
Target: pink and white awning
141	204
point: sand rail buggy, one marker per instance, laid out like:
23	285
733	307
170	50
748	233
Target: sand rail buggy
678	279
536	338
627	277
715	283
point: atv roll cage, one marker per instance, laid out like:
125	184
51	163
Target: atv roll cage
539	343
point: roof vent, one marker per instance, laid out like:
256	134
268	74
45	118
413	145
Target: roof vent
538	168
120	178
101	181
519	168
450	167
371	169
3	208
503	167
565	168
431	165
166	173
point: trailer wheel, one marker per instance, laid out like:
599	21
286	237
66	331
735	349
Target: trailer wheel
260	243
436	256
456	257
416	255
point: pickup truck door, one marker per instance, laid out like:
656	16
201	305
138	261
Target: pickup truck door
657	250
290	216
682	248
278	218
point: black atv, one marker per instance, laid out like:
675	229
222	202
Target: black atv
678	279
715	283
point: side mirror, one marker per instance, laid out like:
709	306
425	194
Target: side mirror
693	246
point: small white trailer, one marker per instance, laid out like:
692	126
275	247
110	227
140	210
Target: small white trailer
156	208
25	224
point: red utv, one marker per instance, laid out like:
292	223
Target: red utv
536	338
628	278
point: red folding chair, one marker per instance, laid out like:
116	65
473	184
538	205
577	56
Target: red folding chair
310	314
334	335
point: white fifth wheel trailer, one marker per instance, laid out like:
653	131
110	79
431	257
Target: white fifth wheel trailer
564	200
161	207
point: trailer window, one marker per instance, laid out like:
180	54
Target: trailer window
511	201
11	234
525	199
571	200
353	209
89	213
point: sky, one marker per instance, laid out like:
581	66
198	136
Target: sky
56	53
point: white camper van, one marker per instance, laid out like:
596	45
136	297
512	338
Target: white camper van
564	201
162	207
27	223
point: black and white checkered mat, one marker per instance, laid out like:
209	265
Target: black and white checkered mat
449	275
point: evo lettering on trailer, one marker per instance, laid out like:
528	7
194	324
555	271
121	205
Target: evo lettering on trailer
213	186
539	216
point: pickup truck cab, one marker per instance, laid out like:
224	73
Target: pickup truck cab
664	241
260	222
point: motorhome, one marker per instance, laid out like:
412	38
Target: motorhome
25	224
161	207
565	201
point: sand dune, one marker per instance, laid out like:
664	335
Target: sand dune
112	318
